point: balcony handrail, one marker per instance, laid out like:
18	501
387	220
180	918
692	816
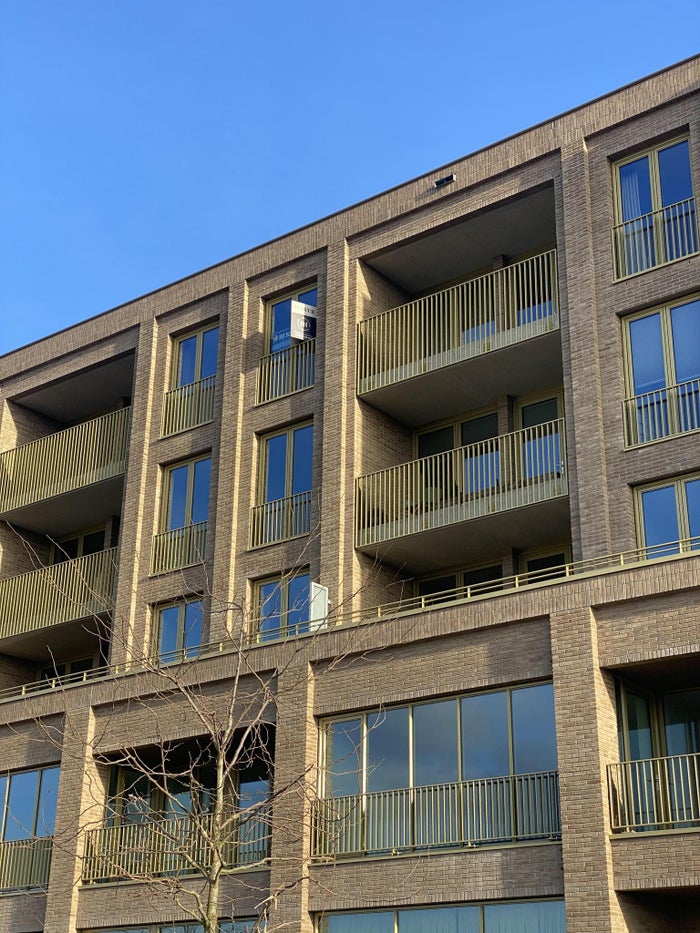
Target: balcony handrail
665	412
286	371
188	406
500	809
178	548
655	238
58	463
343	618
654	793
175	845
280	519
72	589
25	863
490	311
505	472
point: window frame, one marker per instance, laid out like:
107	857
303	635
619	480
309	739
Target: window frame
168	471
652	153
79	537
665	314
5	798
265	439
182	652
291	295
282	581
177	343
678	483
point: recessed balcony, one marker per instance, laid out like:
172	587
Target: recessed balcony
512	488
655	794
60	464
64	592
489	811
442	345
165	847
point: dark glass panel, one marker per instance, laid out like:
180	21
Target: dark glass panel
436	442
344	758
660	519
358	923
192	635
387	750
537	917
187	368
435	743
639	727
200	494
534	735
479	429
169	626
485	748
692	495
440	920
298	595
177	511
682	722
270	609
674	173
302	459
21	805
46	808
635	189
94	542
647	354
276	476
210	346
280	337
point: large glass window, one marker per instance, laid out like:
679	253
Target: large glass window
663	373
283	328
523	917
289	361
195	357
187	499
655	209
669	516
540	450
285	486
480	768
282	606
179	630
28	801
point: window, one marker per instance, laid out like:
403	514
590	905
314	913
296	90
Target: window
190	401
69	670
290	338
282	606
654	208
179	631
668	516
523	917
28	801
79	545
185	512
285	486
225	926
662	373
477	769
461	584
540	449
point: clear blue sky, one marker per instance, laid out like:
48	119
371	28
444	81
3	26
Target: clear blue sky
143	140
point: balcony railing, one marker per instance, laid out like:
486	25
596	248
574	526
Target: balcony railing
188	406
491	810
286	371
280	520
56	464
25	864
665	412
73	589
507	472
655	793
172	847
493	311
656	238
179	548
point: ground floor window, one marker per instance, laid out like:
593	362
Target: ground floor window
522	917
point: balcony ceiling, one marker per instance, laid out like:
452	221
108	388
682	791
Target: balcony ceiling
85	393
77	639
85	507
478	540
522	225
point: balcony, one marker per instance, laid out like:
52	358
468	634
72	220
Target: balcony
655	794
188	406
25	864
477	483
666	412
179	846
280	520
443	342
286	372
82	456
64	592
179	548
655	239
513	808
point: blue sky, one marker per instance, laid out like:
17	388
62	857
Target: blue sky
143	140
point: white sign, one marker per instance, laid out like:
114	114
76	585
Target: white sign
303	321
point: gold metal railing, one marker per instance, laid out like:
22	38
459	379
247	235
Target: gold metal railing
654	793
173	847
25	863
188	406
490	810
280	520
486	313
506	472
665	412
50	466
178	548
654	239
286	372
73	589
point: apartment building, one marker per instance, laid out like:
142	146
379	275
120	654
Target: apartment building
414	493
